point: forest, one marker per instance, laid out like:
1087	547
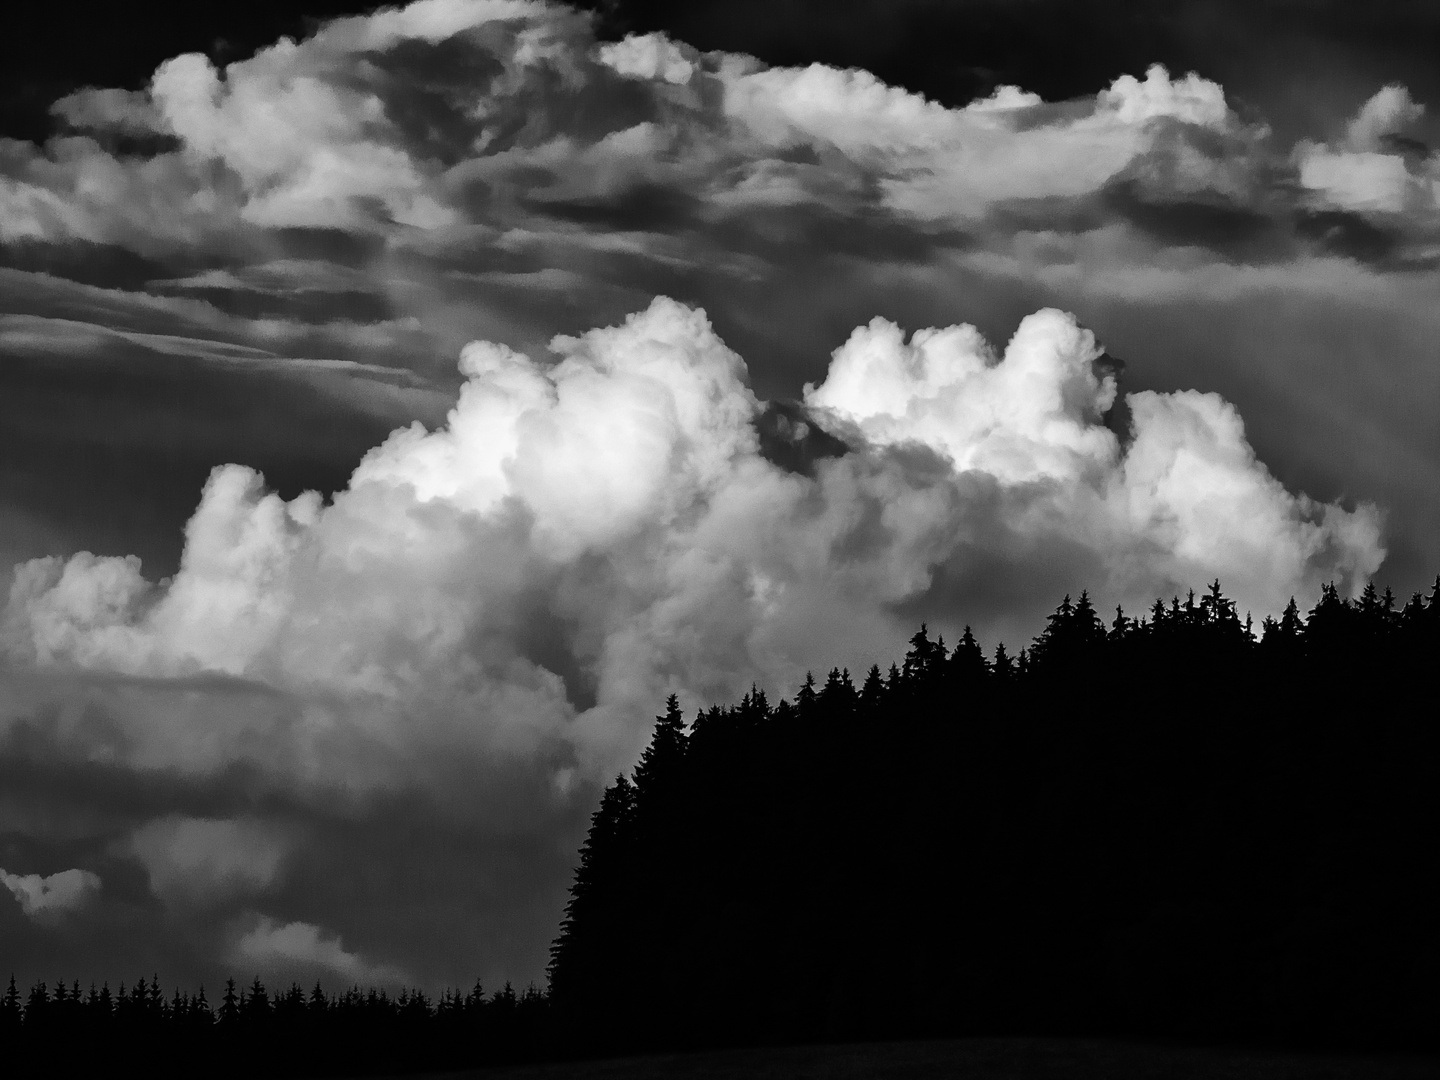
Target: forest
1173	826
1179	826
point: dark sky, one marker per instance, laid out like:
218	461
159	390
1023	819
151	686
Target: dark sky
1300	59
1183	327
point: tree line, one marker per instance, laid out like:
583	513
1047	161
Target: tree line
1177	825
251	1031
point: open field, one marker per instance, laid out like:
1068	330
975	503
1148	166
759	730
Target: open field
978	1059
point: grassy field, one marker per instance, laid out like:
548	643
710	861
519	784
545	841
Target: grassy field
977	1059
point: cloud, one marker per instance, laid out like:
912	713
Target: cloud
473	130
1035	414
581	538
649	56
940	163
1372	170
300	946
48	898
1389	112
1191	100
417	122
207	860
1185	491
127	112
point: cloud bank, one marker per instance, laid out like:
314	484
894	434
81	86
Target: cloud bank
584	536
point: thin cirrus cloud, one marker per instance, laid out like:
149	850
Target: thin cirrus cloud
470	629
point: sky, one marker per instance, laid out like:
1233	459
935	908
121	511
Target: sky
397	405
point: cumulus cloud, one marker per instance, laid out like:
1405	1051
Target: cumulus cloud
393	123
1370	170
1190	100
56	896
1032	415
501	136
1388	112
285	948
649	56
1185	497
940	163
491	163
206	860
582	537
296	143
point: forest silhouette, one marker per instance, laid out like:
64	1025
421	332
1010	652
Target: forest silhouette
1178	826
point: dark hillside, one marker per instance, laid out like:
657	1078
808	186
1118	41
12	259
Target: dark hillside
977	1059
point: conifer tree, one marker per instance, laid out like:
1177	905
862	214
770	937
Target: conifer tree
229	1003
36	1005
1290	622
838	698
585	938
924	658
872	692
11	1012
257	1002
661	761
806	697
967	663
1120	626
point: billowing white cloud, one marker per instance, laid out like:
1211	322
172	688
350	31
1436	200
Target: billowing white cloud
1033	415
296	143
649	56
285	948
209	860
329	131
581	538
52	897
1360	180
1388	112
1186	498
1190	100
944	163
1367	173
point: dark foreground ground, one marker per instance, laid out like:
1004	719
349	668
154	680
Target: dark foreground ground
976	1059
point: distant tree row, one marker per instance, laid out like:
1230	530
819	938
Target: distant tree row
250	1031
1175	825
